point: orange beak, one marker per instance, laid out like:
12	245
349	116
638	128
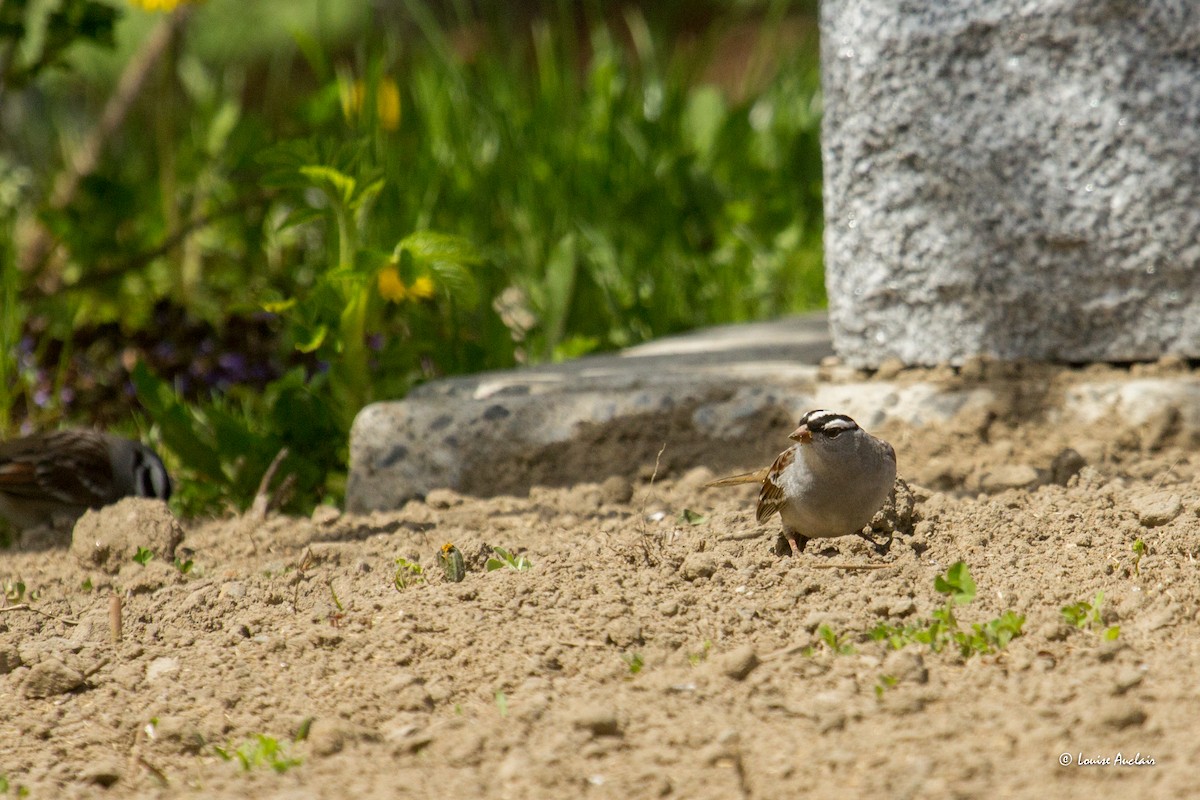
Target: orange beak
801	435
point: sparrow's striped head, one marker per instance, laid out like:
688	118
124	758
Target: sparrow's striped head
819	422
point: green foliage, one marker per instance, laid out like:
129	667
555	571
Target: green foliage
143	556
885	682
503	559
573	184
224	446
1085	615
14	592
957	584
259	751
634	661
689	517
183	566
35	36
836	644
502	703
407	572
943	627
695	659
1139	550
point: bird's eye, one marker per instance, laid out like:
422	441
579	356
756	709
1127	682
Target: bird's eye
833	432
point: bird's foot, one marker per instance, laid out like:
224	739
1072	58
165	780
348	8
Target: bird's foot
790	543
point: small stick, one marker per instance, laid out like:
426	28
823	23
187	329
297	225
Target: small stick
27	607
114	617
262	498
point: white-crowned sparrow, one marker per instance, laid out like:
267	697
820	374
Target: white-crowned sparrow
830	483
52	475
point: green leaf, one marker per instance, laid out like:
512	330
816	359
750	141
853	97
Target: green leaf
336	183
957	583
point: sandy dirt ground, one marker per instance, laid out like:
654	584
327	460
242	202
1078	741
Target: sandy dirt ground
655	647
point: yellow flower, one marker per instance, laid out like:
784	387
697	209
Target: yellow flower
162	5
392	288
421	289
387	101
387	104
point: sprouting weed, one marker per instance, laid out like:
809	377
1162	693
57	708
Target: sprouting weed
635	662
943	626
261	750
407	572
885	682
830	639
14	592
1139	550
143	556
506	559
1085	615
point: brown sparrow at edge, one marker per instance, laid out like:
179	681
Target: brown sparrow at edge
52	475
830	483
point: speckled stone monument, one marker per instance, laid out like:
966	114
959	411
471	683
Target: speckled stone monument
1013	179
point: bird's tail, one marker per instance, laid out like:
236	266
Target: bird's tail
757	476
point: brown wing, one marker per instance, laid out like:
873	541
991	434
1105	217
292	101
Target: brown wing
770	498
69	466
757	476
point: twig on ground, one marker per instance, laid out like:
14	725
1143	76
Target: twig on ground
27	607
263	497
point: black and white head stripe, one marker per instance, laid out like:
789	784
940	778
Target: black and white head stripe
149	475
827	422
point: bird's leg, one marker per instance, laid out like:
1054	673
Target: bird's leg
790	541
879	548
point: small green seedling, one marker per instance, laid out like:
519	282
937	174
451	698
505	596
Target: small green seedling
333	594
407	572
1139	550
634	661
696	658
14	592
305	727
452	563
143	556
943	628
689	517
506	559
184	567
260	751
1085	615
86	585
502	703
830	639
957	584
885	682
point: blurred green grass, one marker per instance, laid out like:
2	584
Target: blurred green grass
624	172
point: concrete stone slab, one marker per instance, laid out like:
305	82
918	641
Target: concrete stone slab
723	398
